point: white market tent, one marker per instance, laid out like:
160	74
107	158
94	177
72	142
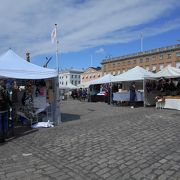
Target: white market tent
68	86
13	66
83	85
135	74
168	72
102	80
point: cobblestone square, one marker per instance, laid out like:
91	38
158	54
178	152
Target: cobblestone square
98	141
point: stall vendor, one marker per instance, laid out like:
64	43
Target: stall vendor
132	90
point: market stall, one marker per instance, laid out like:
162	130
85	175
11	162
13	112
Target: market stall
100	89
38	86
136	74
166	85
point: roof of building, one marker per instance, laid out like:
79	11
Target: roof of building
71	70
144	53
97	68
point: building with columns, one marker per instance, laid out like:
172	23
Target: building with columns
152	60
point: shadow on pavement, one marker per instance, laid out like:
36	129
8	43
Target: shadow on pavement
19	131
69	117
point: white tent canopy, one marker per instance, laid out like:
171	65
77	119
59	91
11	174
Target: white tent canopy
102	80
169	72
135	74
68	86
83	85
13	66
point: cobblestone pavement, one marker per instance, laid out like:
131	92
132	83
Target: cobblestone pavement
97	141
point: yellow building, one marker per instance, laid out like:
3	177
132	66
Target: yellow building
90	74
153	60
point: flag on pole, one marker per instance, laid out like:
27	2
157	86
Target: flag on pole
53	35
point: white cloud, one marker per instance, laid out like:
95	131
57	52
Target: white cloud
100	51
26	25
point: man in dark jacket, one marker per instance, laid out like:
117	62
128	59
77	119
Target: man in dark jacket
4	105
132	90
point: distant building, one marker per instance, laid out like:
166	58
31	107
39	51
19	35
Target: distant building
153	60
90	74
70	76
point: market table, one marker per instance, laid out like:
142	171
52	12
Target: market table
172	102
125	96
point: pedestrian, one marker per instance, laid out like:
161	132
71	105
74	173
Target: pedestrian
132	90
4	106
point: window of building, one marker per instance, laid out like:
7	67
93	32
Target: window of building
75	82
94	76
62	83
114	65
98	75
161	56
83	77
154	58
129	62
75	76
66	77
169	56
72	82
71	76
153	67
141	60
178	54
169	64
161	66
147	59
79	82
86	77
147	68
178	64
134	62
66	82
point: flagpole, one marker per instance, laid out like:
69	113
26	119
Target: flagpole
141	42
57	114
57	62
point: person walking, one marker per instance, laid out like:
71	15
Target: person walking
132	90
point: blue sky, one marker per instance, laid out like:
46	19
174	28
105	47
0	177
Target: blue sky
88	30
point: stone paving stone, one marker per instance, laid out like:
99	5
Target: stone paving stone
109	142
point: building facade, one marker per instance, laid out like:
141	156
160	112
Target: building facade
71	76
153	60
90	74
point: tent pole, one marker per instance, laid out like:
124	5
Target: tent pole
144	92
